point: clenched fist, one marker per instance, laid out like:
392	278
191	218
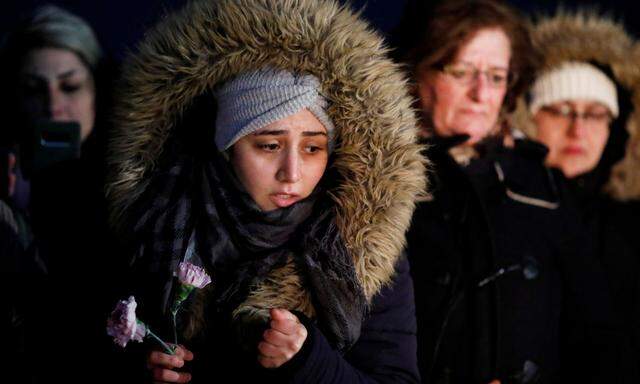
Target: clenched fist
282	340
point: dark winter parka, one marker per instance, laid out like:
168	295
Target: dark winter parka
498	273
607	198
377	166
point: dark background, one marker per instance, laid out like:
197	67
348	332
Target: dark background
119	24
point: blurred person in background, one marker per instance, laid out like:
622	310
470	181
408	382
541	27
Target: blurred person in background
55	104
583	107
56	75
496	259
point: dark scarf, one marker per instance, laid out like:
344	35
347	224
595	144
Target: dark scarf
239	244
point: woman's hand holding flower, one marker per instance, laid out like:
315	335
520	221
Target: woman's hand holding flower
282	340
163	366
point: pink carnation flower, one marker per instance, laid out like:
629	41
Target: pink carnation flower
192	275
123	325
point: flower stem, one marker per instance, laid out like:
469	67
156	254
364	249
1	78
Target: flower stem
175	331
183	292
166	347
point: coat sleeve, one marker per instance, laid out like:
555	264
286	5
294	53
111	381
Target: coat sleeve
386	350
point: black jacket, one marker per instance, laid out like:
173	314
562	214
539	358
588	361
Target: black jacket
503	289
610	229
384	353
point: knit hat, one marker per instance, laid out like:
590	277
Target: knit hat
255	99
574	80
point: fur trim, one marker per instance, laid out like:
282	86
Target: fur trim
282	289
588	36
207	42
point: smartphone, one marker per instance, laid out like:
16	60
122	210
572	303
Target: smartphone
48	143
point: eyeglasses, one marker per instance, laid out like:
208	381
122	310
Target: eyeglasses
467	74
565	112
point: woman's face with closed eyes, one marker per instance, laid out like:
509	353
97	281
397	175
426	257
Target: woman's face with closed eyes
57	86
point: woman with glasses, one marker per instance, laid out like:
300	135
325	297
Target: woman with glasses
494	261
581	106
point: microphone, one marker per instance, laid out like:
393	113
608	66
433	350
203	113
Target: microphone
529	268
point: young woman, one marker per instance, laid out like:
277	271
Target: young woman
275	146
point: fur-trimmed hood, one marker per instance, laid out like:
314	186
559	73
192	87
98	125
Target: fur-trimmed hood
208	42
590	37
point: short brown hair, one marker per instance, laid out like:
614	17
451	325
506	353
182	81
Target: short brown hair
432	38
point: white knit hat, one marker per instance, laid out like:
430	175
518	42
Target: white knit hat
574	80
258	98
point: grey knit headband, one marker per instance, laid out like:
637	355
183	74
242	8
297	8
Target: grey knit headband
255	99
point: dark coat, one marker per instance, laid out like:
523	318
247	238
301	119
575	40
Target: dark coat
476	324
619	252
384	353
610	230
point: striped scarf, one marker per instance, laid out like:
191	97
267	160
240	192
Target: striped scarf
203	203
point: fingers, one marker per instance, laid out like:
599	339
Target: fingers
282	341
292	341
156	358
280	345
271	362
169	376
162	365
182	352
287	327
273	351
284	321
282	314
